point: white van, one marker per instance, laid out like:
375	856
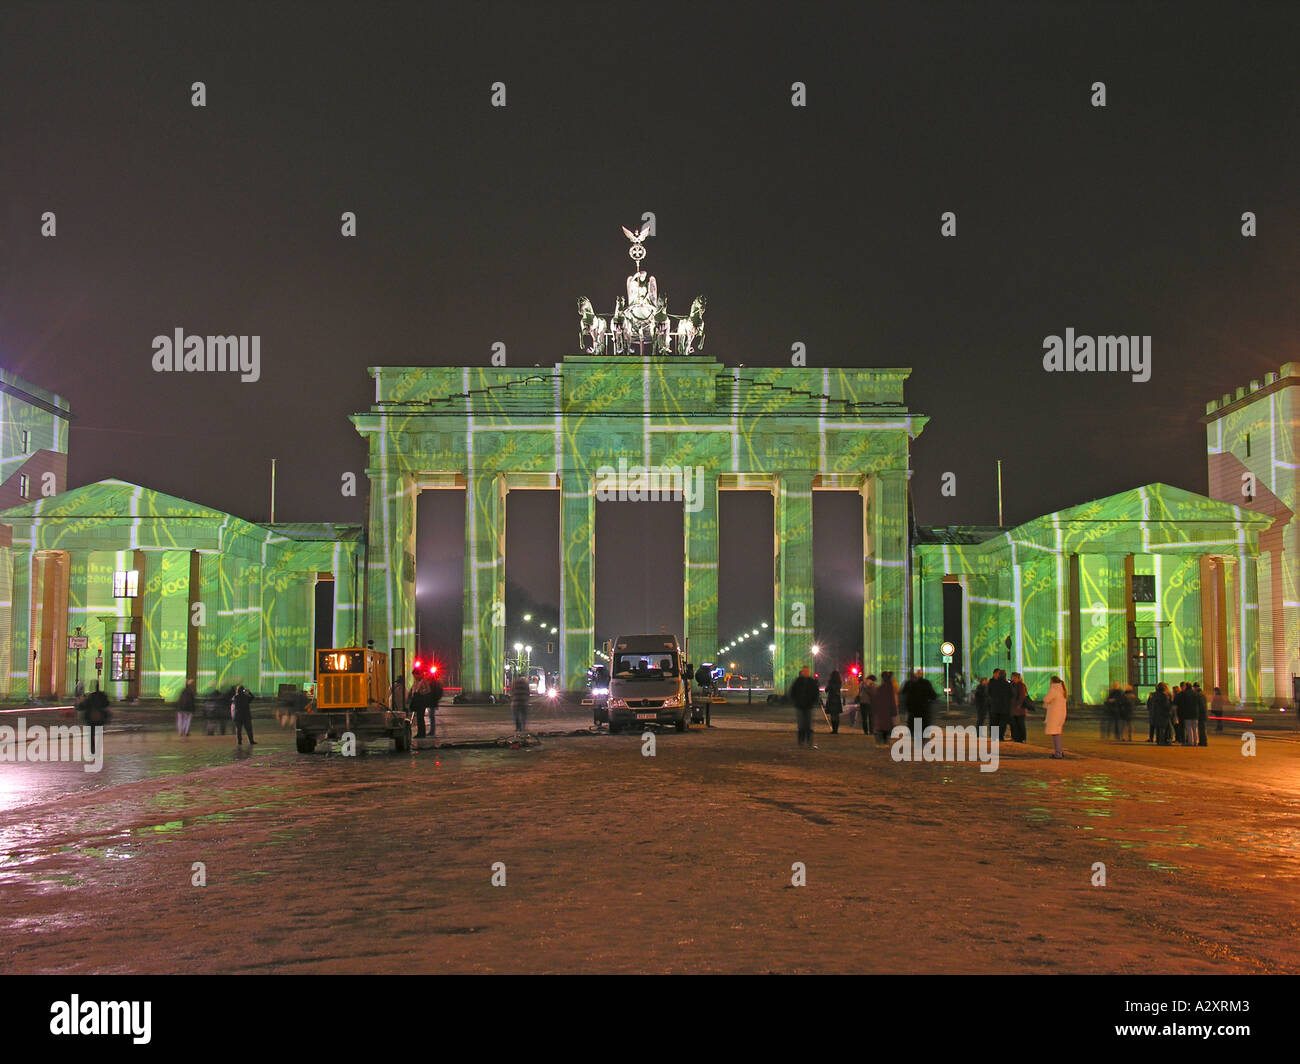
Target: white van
646	682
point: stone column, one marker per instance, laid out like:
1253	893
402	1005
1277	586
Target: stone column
20	658
927	609
214	626
79	614
483	632
793	577
1119	597
1244	625
165	587
390	570
1184	644
701	593
886	614
577	578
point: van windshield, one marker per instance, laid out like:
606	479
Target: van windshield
644	666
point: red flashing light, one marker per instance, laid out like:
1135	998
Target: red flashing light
433	670
416	666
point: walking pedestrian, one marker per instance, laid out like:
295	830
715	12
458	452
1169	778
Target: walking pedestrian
884	707
1111	711
1218	708
1202	715
1019	708
805	694
243	704
185	709
834	706
1054	706
1126	710
519	702
94	710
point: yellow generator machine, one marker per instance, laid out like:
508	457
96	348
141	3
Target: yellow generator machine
352	696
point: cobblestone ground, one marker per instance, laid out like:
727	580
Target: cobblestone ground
617	862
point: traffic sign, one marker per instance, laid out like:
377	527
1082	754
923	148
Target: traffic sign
78	642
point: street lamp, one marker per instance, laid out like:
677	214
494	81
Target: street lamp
815	650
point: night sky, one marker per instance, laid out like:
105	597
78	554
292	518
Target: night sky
817	224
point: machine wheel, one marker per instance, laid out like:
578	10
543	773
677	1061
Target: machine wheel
680	723
306	742
614	729
402	739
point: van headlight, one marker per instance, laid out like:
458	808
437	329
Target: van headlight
672	703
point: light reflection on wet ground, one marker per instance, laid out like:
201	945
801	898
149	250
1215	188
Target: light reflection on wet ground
66	835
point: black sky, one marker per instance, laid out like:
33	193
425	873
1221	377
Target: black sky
816	224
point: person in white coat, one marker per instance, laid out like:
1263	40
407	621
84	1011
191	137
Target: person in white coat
1054	713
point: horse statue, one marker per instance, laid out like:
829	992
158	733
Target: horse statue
663	330
691	328
590	325
618	327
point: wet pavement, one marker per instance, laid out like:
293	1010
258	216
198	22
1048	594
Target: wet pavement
617	862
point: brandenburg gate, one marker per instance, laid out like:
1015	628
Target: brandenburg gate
640	390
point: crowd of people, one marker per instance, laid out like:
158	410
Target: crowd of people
1002	703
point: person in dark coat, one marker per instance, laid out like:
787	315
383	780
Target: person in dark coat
1202	715
243	702
884	707
999	704
805	694
185	709
217	711
866	695
1126	710
94	710
834	705
418	704
1019	708
917	695
519	702
1182	709
1159	707
1111	711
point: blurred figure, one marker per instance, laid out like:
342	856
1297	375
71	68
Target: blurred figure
185	709
981	701
834	705
1219	708
217	710
884	707
519	702
1111	712
1054	708
851	688
1128	707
